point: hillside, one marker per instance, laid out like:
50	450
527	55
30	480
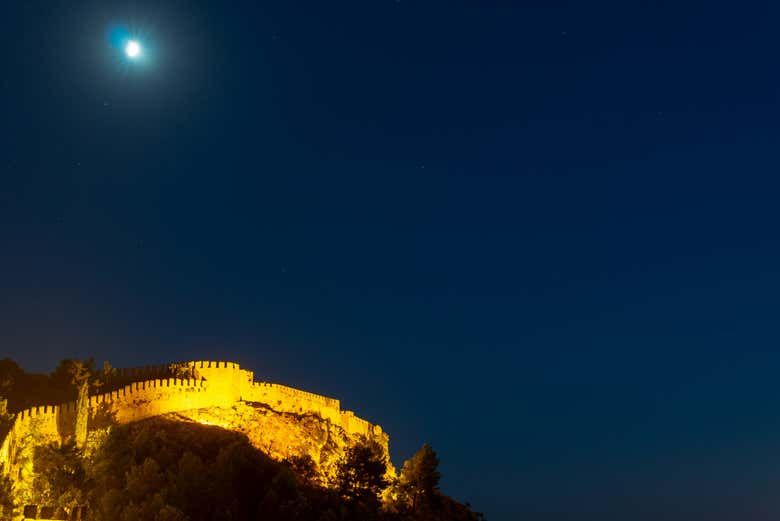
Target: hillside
201	440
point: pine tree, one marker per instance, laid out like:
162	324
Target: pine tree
361	474
419	481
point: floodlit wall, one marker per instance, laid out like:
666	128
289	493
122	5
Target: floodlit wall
141	400
212	384
354	425
286	399
47	423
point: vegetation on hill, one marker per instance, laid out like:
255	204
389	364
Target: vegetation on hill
6	496
417	489
72	380
163	470
69	379
23	390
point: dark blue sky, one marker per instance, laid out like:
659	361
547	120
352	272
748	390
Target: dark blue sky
541	236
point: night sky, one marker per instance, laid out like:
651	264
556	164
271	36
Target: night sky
540	236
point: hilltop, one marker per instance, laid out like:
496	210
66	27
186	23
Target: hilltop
160	442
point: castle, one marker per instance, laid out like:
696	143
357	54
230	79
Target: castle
149	392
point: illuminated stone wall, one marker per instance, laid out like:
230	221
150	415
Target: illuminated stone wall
212	384
141	400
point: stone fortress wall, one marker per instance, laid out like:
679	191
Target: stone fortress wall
212	384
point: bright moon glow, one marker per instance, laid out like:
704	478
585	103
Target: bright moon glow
132	49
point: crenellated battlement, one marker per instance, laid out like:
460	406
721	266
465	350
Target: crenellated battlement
155	391
135	387
290	391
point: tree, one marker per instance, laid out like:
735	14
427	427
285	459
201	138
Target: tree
10	373
6	497
10	376
80	375
162	470
5	417
304	467
361	474
183	371
109	372
419	481
60	475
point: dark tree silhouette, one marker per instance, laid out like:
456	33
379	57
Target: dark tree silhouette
6	497
5	417
60	475
170	471
10	373
10	377
361	474
304	467
419	480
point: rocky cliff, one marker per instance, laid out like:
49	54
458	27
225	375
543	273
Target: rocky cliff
283	435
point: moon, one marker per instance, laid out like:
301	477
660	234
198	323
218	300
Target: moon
133	49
